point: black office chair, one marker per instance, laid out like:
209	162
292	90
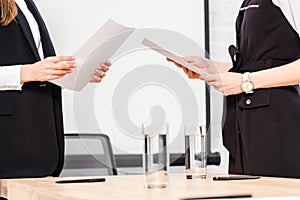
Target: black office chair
88	155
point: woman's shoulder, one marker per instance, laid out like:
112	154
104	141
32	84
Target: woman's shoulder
290	10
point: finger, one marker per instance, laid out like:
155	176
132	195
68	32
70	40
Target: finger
60	72
213	81
104	67
63	66
201	77
57	59
192	74
54	77
107	63
185	70
189	59
211	77
221	89
169	59
99	73
217	85
177	64
95	79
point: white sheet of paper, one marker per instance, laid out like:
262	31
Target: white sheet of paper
99	48
172	56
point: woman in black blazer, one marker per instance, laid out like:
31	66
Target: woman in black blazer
31	123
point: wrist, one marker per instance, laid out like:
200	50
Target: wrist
26	74
260	80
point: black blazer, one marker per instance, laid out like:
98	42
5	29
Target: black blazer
31	123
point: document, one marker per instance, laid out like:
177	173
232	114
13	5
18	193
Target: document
172	56
99	48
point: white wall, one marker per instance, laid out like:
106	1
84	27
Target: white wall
176	24
71	23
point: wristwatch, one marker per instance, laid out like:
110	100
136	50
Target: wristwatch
247	86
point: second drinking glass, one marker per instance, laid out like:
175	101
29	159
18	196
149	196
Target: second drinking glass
195	152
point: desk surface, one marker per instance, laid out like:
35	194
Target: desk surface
131	187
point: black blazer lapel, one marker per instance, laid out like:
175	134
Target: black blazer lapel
45	37
239	21
27	33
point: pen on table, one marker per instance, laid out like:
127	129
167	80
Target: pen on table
88	180
220	197
229	178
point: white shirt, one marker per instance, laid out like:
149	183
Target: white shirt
33	26
10	75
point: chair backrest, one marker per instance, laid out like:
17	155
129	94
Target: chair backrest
88	155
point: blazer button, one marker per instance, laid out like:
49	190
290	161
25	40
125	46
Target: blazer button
248	101
42	85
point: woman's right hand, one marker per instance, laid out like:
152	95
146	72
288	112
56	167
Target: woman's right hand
200	62
209	66
50	68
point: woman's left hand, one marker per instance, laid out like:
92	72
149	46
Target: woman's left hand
100	72
228	83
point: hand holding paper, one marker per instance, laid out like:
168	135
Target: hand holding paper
48	69
98	49
191	74
100	72
174	58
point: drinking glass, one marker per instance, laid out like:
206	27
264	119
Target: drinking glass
156	157
195	152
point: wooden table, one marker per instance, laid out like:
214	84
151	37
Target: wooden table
131	187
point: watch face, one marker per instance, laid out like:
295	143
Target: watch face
247	86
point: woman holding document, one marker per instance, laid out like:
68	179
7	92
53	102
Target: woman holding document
31	123
261	129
